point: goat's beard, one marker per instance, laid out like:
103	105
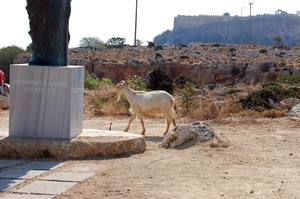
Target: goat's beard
118	96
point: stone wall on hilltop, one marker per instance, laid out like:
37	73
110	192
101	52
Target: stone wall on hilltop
234	30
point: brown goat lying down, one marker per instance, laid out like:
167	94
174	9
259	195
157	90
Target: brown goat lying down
148	103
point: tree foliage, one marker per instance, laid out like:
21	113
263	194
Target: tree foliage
7	56
159	79
187	93
181	80
277	41
150	44
139	42
91	41
115	42
89	82
260	99
29	48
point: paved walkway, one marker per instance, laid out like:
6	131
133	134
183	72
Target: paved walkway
29	179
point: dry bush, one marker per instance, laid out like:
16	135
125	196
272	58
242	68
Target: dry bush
230	108
249	113
208	111
273	113
102	103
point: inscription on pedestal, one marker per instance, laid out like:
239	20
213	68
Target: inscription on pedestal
46	102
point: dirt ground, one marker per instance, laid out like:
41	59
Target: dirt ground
263	161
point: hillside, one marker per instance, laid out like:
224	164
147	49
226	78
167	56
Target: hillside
211	63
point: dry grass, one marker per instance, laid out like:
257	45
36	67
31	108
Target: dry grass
103	103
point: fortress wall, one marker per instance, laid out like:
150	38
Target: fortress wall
183	21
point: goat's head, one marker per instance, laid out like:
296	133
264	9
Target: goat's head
119	87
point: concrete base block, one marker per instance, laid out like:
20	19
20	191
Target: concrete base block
46	102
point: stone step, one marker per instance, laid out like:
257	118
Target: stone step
90	143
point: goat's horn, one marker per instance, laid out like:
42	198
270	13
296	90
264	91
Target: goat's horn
122	82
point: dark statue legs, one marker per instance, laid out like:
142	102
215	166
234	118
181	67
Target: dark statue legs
49	31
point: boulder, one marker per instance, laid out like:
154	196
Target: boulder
182	134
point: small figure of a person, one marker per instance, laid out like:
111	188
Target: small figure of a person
2	78
49	31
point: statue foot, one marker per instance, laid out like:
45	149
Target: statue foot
39	62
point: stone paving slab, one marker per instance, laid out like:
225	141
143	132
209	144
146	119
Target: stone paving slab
9	163
8	183
21	174
25	196
46	187
67	176
41	165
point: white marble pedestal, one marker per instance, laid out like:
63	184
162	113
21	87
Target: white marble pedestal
46	102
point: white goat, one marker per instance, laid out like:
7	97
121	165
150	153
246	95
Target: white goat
148	103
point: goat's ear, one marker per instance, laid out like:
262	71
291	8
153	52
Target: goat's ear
122	82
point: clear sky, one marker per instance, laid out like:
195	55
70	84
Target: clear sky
116	18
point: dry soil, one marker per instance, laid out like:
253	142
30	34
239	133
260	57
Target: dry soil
263	161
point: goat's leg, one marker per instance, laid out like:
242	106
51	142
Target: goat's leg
131	119
174	122
168	126
143	125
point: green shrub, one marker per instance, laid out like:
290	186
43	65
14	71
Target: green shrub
136	82
115	42
263	51
150	44
235	90
158	48
289	79
159	79
216	45
187	92
7	56
270	90
232	49
182	45
89	82
181	80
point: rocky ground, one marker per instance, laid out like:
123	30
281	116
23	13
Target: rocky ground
262	161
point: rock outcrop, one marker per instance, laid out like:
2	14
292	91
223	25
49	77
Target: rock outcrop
226	64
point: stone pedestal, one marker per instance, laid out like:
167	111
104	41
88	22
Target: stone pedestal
46	102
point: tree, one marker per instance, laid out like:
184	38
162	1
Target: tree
115	42
7	56
150	44
159	79
139	42
29	48
278	41
91	41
